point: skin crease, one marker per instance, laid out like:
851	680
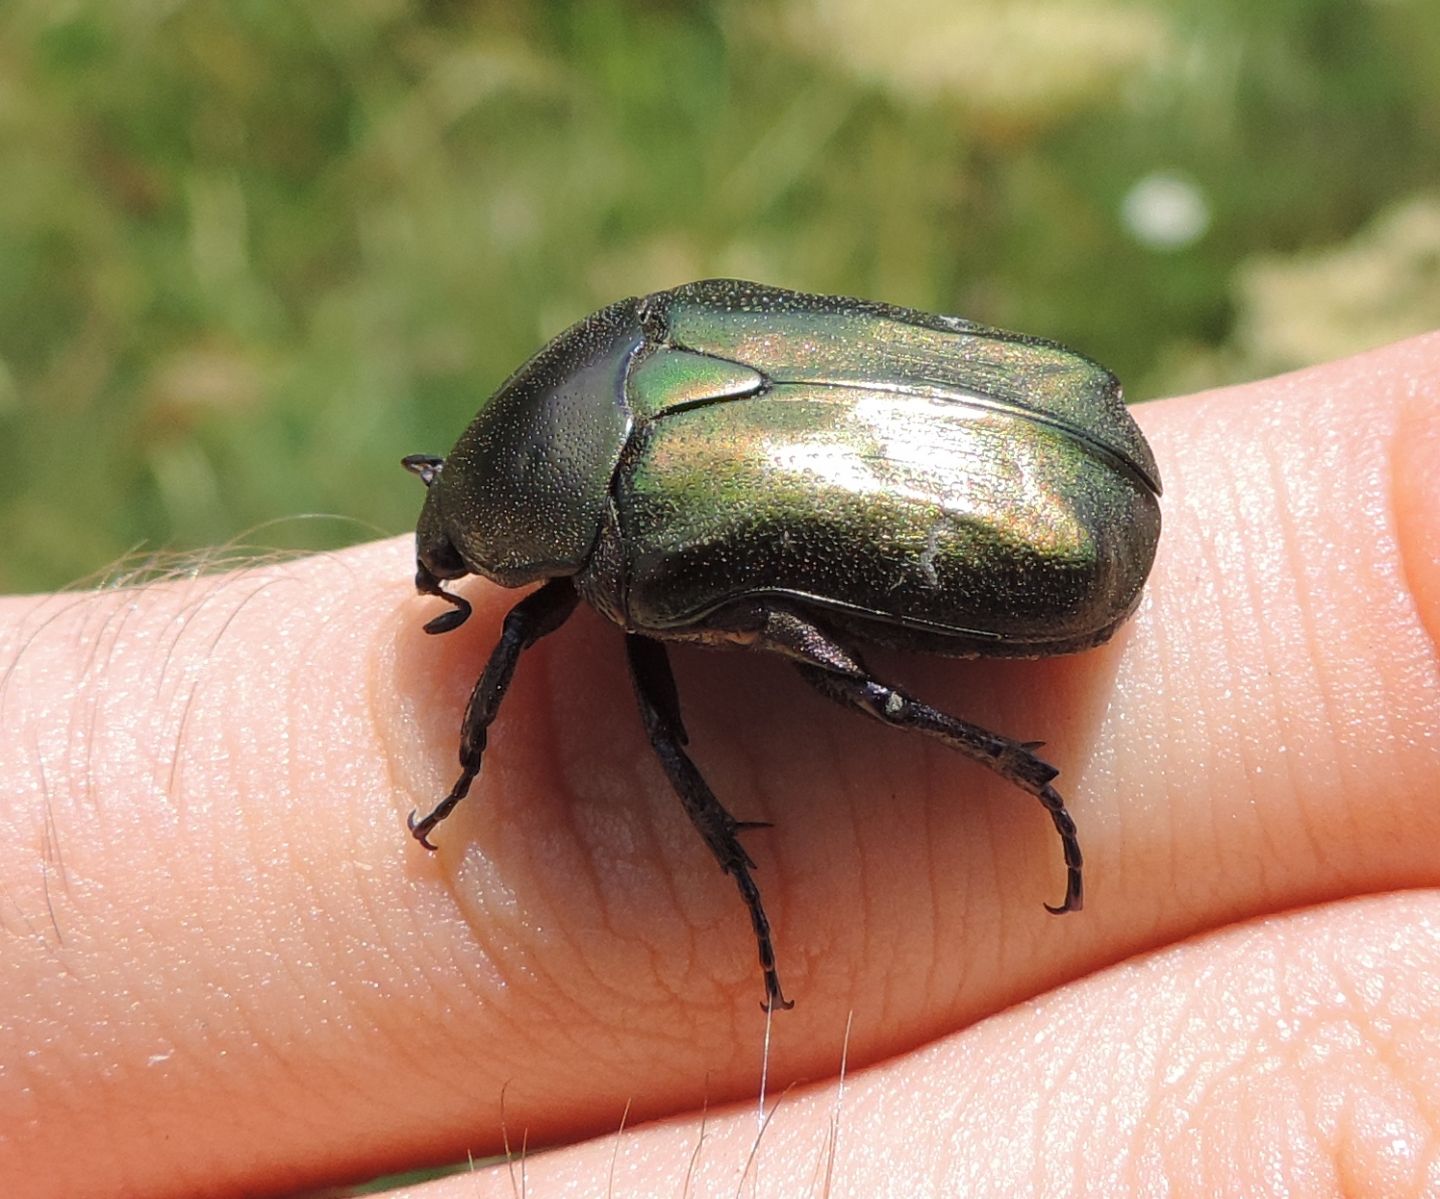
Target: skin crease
226	969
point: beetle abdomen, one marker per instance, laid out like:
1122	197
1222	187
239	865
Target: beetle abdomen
985	528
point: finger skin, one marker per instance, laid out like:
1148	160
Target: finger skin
226	966
1293	1057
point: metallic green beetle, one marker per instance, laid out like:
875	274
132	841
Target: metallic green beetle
735	464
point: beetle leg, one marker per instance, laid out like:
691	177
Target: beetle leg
542	611
427	584
839	674
660	707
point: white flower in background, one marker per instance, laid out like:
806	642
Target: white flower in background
1165	211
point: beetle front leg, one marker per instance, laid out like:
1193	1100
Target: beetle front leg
660	707
840	675
541	612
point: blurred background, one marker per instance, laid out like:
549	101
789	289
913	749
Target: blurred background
251	253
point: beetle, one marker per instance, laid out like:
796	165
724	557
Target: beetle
739	465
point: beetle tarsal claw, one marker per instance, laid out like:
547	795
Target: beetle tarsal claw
421	829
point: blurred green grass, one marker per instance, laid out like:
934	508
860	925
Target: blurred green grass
252	253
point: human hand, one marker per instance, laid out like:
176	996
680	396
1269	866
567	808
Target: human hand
225	968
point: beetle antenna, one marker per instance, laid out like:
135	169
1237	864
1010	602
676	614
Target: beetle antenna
427	466
427	584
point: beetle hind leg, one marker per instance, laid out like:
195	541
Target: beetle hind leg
840	675
660	707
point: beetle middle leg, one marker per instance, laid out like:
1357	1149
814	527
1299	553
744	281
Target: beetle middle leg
660	707
542	611
838	673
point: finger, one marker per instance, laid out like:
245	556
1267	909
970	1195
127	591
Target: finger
1290	1056
261	736
215	942
1281	692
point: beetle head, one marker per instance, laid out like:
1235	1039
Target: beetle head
436	557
